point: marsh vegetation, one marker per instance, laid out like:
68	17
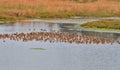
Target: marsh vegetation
29	42
21	9
108	24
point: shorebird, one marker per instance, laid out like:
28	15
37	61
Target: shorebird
57	37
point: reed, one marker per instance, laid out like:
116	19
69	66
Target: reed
57	8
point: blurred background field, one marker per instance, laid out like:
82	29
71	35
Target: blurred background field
12	9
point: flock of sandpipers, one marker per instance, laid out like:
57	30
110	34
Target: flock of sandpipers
56	36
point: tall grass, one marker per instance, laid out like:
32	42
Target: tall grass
84	1
57	8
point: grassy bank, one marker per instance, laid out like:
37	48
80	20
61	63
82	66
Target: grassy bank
11	9
7	20
108	24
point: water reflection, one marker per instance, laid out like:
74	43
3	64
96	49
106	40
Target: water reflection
71	28
102	34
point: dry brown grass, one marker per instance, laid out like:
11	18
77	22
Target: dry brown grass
57	8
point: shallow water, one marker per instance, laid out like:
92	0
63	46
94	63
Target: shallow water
18	55
68	25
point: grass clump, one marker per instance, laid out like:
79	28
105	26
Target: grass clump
103	24
7	20
37	48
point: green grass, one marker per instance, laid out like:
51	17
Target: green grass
2	21
37	48
108	24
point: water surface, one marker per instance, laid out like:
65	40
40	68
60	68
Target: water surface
18	55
